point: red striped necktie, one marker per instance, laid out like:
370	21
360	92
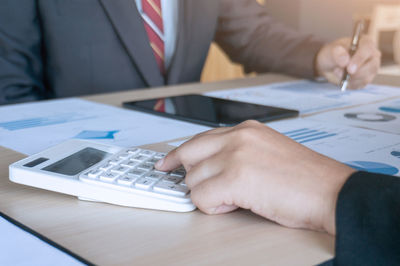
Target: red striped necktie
153	23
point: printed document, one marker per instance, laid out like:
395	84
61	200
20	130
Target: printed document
307	96
20	248
33	127
383	116
362	149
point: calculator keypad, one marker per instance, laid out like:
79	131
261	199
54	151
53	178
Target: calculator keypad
134	169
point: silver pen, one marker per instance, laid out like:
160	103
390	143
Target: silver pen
358	31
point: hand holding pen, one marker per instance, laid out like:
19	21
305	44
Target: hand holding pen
358	31
353	66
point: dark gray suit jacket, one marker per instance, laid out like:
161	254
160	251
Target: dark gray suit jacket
62	48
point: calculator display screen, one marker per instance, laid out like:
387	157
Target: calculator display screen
77	162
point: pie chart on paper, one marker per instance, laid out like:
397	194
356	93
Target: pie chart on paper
370	117
373	167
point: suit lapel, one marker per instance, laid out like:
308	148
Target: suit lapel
129	26
179	57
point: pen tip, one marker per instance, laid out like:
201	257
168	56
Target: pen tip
344	85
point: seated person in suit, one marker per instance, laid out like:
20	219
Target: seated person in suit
52	49
254	167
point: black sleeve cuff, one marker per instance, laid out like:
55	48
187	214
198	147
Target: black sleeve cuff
368	221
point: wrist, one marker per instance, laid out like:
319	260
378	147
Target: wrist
339	177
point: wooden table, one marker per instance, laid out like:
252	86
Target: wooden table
111	235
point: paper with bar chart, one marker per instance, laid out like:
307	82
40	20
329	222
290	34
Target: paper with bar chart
383	116
359	148
362	149
33	127
306	96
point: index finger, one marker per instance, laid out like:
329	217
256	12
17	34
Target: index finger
193	151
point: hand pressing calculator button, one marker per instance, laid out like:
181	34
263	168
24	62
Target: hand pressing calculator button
142	177
107	174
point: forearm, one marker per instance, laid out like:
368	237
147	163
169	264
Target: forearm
251	37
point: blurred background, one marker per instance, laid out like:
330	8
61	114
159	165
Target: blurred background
329	20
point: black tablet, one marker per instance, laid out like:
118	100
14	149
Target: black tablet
210	111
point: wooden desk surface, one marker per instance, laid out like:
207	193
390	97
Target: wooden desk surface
111	235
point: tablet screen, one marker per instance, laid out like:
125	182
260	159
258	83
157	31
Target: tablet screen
212	111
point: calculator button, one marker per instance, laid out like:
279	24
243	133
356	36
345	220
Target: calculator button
129	164
115	161
133	150
136	173
172	189
94	173
126	180
152	161
154	176
160	155
106	167
124	156
144	183
108	177
145	166
172	179
160	172
179	173
139	158
147	153
119	169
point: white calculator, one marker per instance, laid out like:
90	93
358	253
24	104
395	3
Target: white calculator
105	173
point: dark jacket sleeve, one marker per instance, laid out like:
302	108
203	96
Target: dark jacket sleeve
368	221
20	52
253	38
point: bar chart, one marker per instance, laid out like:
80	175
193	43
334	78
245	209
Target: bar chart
43	121
305	135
